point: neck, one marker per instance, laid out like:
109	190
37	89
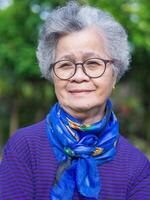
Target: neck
89	116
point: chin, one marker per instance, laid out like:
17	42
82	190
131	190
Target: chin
81	107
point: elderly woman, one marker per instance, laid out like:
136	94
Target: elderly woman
77	152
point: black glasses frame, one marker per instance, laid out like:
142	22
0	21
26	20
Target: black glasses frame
52	66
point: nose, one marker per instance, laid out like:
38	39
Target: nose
79	75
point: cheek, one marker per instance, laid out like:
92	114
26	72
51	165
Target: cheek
104	92
60	90
57	87
104	88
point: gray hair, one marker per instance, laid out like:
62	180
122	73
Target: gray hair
74	17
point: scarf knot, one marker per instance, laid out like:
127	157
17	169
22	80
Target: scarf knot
80	149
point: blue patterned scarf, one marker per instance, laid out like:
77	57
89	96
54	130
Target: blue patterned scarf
80	148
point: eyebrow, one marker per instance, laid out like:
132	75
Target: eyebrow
85	56
67	56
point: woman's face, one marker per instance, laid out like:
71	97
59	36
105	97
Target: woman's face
81	93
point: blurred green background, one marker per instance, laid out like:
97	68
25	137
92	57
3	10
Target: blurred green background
25	97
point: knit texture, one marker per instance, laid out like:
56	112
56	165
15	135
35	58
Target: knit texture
29	166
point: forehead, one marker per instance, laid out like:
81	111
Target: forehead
85	43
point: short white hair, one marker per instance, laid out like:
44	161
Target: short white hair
73	17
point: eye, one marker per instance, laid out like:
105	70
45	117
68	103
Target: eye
94	63
64	65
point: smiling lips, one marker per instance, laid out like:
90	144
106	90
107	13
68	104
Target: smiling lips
80	91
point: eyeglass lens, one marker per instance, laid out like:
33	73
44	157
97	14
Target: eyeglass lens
93	68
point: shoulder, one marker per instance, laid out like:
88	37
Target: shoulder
129	149
137	170
133	159
25	138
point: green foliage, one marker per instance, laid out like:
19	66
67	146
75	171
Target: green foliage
22	90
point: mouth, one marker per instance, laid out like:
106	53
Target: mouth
80	91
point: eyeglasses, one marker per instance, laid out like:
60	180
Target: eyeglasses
92	67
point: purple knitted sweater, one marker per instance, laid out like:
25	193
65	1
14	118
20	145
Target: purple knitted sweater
28	169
